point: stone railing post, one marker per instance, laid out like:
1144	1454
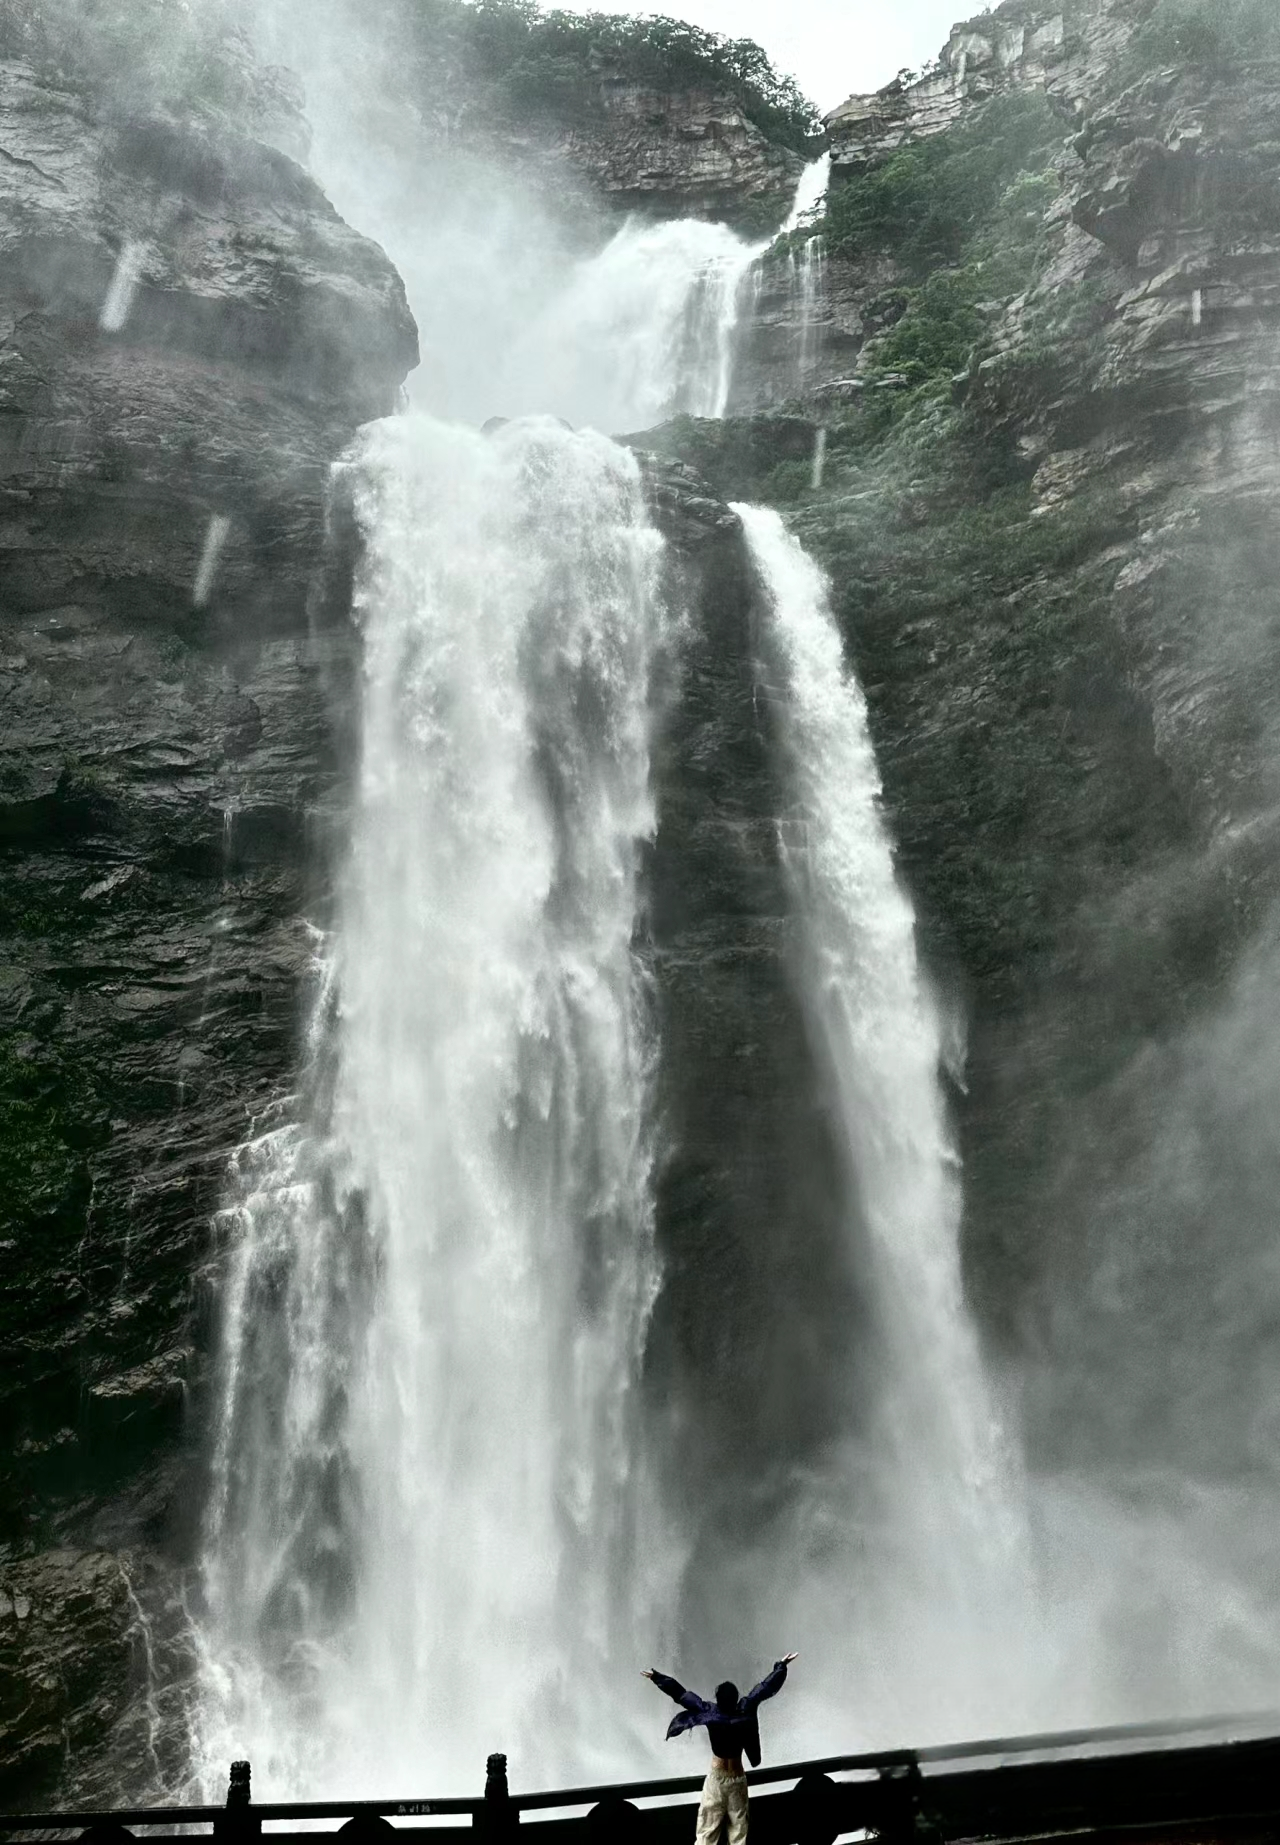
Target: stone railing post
500	1818
238	1823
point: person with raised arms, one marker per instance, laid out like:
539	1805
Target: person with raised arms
733	1729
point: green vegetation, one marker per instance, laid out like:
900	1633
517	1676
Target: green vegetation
940	328
1214	32
962	215
926	202
49	1117
553	61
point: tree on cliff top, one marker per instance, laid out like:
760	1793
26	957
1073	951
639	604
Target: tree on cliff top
555	60
147	54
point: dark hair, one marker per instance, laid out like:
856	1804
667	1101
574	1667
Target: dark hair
727	1696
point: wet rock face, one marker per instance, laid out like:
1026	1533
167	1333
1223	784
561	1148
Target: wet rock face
1166	410
66	1656
189	335
691	153
1063	47
1168	220
1080	749
800	334
749	1167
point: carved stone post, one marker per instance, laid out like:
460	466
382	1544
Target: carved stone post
500	1817
238	1824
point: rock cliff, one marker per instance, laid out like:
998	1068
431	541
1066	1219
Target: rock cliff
1064	48
1051	464
685	153
1061	52
188	337
1046	504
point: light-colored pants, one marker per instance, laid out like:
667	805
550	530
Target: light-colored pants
723	1797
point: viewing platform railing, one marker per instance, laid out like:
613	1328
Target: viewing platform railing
1215	1778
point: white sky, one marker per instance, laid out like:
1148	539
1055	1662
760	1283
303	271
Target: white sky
834	48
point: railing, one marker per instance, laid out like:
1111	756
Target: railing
1222	1773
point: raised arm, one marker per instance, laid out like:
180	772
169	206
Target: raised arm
674	1689
770	1685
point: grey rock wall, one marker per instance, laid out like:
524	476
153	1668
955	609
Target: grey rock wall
189	335
1065	48
1074	701
673	154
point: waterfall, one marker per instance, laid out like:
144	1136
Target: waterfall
805	279
425	1531
433	1527
645	328
925	1577
806	273
811	191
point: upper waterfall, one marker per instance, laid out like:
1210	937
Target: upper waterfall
645	328
811	190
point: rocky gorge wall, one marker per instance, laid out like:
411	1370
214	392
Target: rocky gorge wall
689	152
188	337
1052	462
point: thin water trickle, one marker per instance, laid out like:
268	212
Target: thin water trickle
819	464
123	286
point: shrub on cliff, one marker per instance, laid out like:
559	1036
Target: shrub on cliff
1208	32
925	202
555	60
962	215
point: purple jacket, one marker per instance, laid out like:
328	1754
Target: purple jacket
735	1732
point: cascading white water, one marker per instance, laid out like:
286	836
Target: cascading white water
806	284
424	1530
645	329
439	1284
925	1574
811	191
431	1529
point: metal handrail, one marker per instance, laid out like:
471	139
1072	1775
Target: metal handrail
1105	1745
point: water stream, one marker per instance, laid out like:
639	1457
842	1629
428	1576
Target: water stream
428	1471
928	1565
